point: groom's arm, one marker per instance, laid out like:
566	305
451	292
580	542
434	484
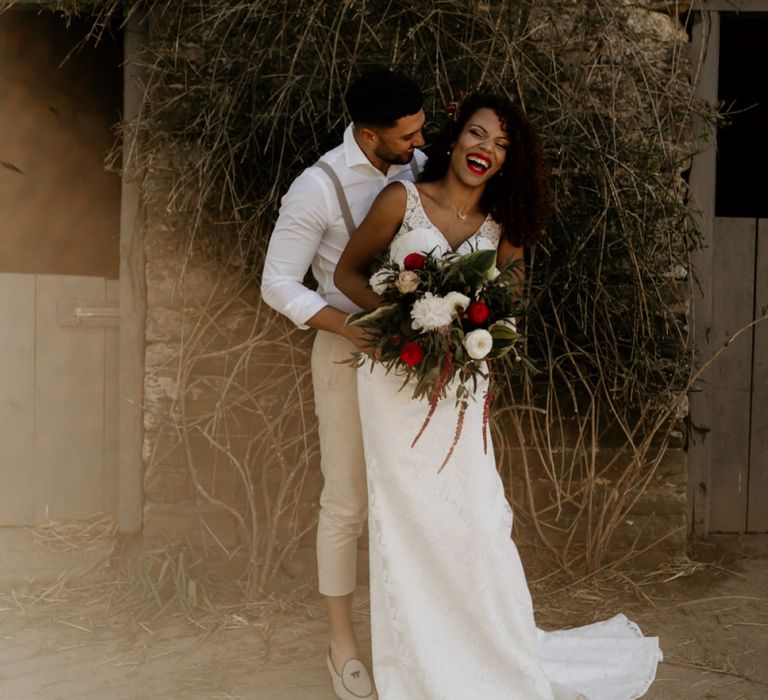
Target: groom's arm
304	214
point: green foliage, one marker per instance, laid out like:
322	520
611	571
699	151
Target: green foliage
447	286
241	95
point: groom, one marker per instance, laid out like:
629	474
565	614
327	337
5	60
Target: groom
317	215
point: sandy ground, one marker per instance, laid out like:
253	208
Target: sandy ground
87	636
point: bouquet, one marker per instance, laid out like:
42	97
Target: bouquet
445	316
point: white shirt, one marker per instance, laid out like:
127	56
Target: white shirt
310	230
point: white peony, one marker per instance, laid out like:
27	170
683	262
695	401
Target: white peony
431	312
379	282
407	281
478	343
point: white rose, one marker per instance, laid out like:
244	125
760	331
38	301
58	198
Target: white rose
457	302
407	281
379	282
478	343
430	312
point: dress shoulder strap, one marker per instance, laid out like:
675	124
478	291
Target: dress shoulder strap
342	198
410	189
412	198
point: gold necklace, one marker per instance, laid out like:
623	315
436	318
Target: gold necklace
460	215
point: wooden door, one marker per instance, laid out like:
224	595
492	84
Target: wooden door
739	378
59	255
728	446
58	370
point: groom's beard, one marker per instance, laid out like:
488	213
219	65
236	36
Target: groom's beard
393	158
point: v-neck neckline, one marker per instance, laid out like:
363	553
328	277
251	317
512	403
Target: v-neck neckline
437	228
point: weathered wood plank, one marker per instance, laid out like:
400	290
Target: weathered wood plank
758	462
17	366
111	405
705	50
733	286
69	400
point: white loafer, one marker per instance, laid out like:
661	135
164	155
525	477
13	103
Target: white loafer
353	683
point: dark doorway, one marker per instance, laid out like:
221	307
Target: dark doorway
742	143
60	98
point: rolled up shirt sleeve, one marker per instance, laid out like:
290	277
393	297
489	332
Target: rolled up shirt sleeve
299	230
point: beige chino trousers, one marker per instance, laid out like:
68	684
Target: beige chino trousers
344	498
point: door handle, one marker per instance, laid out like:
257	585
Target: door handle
98	313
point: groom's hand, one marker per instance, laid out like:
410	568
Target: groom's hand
334	320
359	338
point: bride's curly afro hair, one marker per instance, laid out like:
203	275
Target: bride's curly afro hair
518	196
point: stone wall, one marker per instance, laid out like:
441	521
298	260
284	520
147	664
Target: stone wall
648	527
228	419
221	371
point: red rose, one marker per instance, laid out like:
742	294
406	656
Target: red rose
411	354
478	312
395	340
413	261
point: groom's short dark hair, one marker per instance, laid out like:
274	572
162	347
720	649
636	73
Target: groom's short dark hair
379	98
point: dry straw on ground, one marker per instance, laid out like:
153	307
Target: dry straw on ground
242	95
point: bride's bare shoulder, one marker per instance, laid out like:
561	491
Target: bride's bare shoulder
394	191
393	198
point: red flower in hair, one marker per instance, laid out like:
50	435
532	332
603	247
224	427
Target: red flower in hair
413	261
452	108
411	353
478	312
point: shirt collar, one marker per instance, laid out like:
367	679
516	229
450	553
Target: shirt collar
354	156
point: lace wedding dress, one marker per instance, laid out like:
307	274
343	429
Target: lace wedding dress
451	615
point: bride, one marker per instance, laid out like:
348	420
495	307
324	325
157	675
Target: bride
451	614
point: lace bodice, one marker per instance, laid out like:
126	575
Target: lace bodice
487	236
